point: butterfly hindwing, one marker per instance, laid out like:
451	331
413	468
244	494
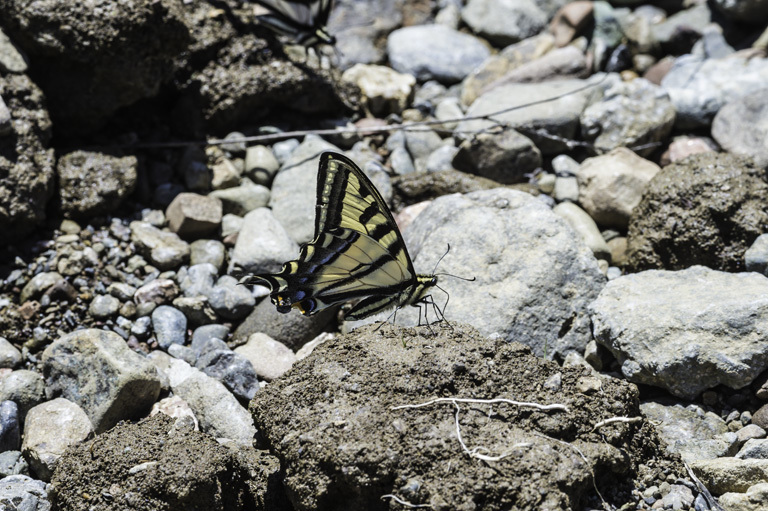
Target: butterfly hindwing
357	252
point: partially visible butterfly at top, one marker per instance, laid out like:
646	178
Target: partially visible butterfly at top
304	21
357	252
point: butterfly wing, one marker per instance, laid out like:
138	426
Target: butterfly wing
303	20
357	250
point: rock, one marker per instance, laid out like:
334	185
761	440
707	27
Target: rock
684	146
165	249
232	369
121	291
756	256
504	22
260	164
23	387
524	109
85	61
50	429
230	300
12	463
269	358
204	335
28	162
751	11
96	370
749	432
585	227
557	64
10	356
506	157
754	448
239	200
170	326
496	66
165	464
679	497
103	306
159	291
385	91
10	433
707	209
441	159
24	493
691	431
216	409
692	344
263	245
293	193
194	216
224	174
11	59
346	420
754	499
197	279
699	87
93	184
38	285
174	407
566	189
569	21
207	251
611	185
434	52
293	330
636	114
677	33
723	475
740	126
479	226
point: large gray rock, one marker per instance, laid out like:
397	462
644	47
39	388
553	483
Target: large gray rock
263	244
27	163
741	126
611	185
164	249
105	56
530	109
699	87
333	423
504	22
216	409
99	372
51	428
24	493
635	114
295	187
93	184
705	209
685	331
435	52
691	431
535	276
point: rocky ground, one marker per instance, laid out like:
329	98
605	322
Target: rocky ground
598	168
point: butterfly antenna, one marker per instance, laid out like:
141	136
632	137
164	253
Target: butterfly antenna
441	258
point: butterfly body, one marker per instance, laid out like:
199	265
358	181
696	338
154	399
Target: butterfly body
357	253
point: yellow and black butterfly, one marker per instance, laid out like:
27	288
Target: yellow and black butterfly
357	252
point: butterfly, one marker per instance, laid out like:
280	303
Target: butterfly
357	252
302	20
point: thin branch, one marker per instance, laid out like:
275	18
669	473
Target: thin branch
454	400
411	126
405	502
626	420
